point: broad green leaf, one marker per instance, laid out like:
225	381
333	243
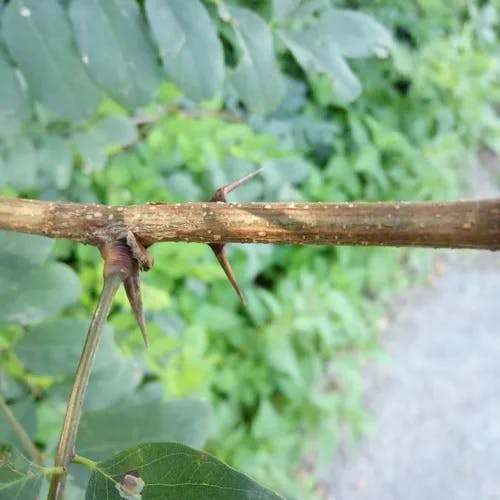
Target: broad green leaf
171	471
110	132
106	386
54	347
282	9
30	294
127	69
111	430
39	39
256	78
356	34
189	47
19	164
317	52
14	106
34	249
19	478
91	149
24	411
115	131
55	161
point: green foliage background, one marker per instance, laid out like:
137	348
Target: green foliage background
282	376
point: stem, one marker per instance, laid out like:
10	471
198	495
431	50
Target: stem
26	441
86	462
66	447
460	224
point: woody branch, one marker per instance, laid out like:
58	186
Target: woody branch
459	224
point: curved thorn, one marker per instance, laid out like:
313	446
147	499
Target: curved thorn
220	194
219	250
133	289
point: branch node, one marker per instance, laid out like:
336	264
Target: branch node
219	249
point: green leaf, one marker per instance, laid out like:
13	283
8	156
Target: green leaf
106	387
24	411
127	69
34	249
356	34
256	78
29	294
19	478
317	52
20	164
90	148
110	132
283	9
14	106
189	47
111	430
55	161
39	39
54	347
115	131
171	471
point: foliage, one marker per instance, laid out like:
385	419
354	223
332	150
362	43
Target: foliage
283	374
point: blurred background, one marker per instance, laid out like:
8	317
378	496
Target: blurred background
339	101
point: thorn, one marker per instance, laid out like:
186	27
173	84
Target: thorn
219	250
139	252
220	194
132	287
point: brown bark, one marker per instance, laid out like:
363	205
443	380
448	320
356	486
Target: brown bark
461	224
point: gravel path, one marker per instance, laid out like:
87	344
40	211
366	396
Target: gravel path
436	403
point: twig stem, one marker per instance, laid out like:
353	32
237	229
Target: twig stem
66	447
28	444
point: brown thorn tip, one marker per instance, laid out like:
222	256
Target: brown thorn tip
220	194
219	250
132	287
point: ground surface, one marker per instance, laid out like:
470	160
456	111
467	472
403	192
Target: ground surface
436	402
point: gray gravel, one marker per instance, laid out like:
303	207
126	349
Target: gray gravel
436	402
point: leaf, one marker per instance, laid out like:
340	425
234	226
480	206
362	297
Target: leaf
19	478
317	52
108	431
115	131
55	161
256	78
24	411
34	249
39	39
20	166
110	132
171	471
283	9
15	109
54	347
355	34
91	150
29	294
116	381
189	47
127	69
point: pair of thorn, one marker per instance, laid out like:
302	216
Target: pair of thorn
142	261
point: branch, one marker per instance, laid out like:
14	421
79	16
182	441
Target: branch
28	444
66	447
460	224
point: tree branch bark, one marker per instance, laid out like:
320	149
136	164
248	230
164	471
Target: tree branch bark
460	224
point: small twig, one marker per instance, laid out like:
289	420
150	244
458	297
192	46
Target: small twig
66	447
28	444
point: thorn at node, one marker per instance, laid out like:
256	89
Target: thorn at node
219	249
